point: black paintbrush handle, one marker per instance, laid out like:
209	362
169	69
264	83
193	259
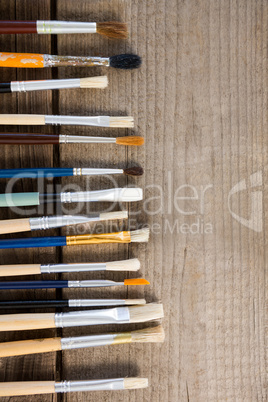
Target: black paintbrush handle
5	87
22	304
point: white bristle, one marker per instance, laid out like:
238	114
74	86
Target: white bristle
135	383
106	216
94	82
145	313
124	122
129	194
125	265
155	334
141	235
135	301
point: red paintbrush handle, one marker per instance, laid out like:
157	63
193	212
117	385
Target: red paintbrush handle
17	27
30	139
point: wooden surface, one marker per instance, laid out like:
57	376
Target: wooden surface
200	101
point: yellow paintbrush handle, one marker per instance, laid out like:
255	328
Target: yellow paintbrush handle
24	60
29	347
27	388
120	237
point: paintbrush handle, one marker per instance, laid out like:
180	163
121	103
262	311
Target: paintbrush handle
28	139
22	60
28	242
34	285
19	348
18	27
34	173
18	270
21	322
22	119
14	225
27	388
21	304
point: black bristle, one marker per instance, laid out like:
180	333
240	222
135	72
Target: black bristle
125	61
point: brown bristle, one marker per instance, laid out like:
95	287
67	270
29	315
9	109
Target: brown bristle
131	140
134	171
116	30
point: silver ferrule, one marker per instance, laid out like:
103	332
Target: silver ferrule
93	385
93	284
96	121
118	315
50	60
81	139
110	195
24	86
65	27
87	341
57	268
96	302
95	172
48	222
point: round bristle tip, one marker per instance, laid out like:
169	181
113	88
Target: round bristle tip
125	61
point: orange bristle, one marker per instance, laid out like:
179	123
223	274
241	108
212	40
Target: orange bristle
137	281
116	30
131	140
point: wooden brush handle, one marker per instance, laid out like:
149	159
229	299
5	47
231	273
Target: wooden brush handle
20	348
14	225
21	322
24	60
27	388
28	139
17	270
17	27
22	119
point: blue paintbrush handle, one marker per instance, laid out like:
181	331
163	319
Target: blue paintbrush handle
34	173
53	241
34	285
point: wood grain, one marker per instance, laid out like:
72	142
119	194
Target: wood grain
200	101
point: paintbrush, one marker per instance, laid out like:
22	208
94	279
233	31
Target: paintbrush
110	29
32	60
42	120
20	348
33	304
117	315
135	236
34	173
51	387
109	195
100	283
25	86
50	222
36	269
35	139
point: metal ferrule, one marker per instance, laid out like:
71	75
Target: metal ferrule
93	385
87	341
23	86
110	195
64	27
93	284
81	139
118	315
48	222
95	172
96	121
57	268
95	302
50	60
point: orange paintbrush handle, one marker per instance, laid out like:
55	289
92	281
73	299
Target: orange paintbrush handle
24	60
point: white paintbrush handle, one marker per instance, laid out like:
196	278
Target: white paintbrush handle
27	388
